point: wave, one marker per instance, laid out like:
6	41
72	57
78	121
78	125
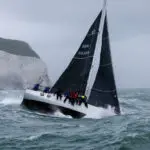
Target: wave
100	113
43	136
138	141
56	114
11	97
10	101
60	115
94	114
33	137
15	98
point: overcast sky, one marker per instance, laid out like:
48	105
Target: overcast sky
55	29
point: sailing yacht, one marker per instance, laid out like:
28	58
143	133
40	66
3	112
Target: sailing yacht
100	91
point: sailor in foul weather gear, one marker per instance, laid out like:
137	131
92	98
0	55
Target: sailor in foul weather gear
76	98
46	90
36	87
66	94
71	98
83	99
58	94
79	100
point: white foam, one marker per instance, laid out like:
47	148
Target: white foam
12	98
59	114
100	113
34	137
31	138
11	101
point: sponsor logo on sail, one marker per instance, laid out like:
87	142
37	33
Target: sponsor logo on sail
84	53
85	46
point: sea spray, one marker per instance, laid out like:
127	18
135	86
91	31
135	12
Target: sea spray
12	97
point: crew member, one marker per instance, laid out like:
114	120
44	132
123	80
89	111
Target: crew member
76	97
66	94
71	98
83	99
58	94
46	90
36	87
79	99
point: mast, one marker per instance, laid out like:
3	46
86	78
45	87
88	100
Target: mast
96	59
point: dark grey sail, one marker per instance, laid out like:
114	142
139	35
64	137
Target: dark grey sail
104	92
76	74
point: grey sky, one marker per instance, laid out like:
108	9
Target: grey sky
55	29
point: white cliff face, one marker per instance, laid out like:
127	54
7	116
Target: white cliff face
19	72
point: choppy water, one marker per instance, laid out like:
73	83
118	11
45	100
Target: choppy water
22	129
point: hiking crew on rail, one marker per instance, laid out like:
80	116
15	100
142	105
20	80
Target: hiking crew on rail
71	96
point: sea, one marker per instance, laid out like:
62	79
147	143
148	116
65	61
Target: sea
22	129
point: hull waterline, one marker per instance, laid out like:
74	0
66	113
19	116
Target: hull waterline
47	103
43	107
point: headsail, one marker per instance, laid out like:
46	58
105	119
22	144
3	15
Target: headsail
104	92
76	74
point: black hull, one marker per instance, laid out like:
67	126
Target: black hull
49	108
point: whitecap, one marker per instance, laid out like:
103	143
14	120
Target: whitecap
100	113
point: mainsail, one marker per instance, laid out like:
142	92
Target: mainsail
76	74
104	92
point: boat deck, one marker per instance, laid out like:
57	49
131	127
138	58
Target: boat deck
47	103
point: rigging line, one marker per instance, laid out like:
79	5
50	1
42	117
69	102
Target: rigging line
98	90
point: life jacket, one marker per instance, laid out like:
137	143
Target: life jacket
72	94
76	95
